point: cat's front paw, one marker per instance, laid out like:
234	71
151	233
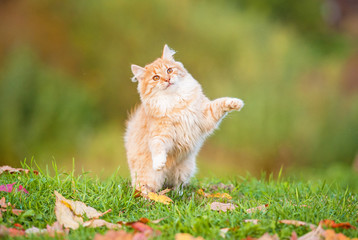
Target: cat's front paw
234	104
159	162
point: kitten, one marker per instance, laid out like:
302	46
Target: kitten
164	134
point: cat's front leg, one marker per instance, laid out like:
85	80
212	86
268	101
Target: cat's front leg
159	153
219	107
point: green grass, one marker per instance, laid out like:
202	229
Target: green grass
190	213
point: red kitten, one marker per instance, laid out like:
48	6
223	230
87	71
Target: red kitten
165	133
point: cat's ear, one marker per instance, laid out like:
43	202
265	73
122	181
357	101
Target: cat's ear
137	72
168	53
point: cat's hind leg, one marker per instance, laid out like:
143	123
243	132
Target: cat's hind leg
181	174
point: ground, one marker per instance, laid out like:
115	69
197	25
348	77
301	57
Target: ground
285	198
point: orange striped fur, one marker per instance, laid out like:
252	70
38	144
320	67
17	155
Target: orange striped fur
165	133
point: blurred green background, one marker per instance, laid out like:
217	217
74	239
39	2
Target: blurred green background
65	87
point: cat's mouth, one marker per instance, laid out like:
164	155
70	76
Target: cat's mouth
169	84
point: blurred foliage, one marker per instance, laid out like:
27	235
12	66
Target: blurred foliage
65	80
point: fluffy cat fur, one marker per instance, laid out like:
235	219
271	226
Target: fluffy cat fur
164	134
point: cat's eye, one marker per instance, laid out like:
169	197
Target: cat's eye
170	70
156	77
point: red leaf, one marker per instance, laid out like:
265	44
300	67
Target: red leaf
141	227
333	224
18	225
8	188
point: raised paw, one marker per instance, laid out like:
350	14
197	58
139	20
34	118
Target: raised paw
234	104
159	162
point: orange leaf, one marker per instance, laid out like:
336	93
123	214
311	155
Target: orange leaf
159	198
333	224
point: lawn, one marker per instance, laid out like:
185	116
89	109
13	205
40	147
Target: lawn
285	198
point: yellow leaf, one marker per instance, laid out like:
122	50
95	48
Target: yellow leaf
214	195
159	198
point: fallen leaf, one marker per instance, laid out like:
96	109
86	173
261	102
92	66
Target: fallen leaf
158	220
15	170
254	221
159	198
293	236
228	187
8	188
4	206
79	208
142	227
259	208
56	229
165	191
297	223
18	225
218	206
69	213
3	202
214	195
315	234
186	236
35	230
267	236
11	232
223	232
119	235
333	224
100	223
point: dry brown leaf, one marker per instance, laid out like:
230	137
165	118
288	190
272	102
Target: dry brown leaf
69	213
159	198
11	232
158	220
14	170
293	236
3	207
116	235
267	236
297	223
214	195
100	223
165	191
218	206
254	221
3	203
315	234
259	208
223	232
79	208
186	236
216	187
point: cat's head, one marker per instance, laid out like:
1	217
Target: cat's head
164	74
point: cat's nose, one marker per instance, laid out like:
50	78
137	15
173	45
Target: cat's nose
167	80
